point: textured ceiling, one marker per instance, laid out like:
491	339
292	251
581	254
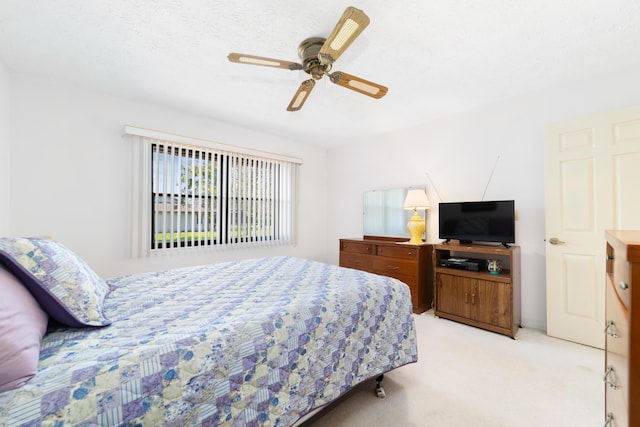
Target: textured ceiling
437	57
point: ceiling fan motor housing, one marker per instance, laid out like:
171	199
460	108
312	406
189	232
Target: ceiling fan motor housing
308	53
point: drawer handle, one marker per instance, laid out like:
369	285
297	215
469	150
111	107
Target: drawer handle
610	257
355	261
609	420
611	329
393	267
610	378
624	285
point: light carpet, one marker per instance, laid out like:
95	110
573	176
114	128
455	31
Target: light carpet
466	376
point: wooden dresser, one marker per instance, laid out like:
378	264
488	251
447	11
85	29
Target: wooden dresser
622	344
412	264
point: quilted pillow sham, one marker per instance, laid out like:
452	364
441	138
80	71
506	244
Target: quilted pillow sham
22	325
64	285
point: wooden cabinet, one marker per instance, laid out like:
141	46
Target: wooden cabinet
478	298
411	264
622	329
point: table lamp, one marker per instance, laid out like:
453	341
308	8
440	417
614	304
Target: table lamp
416	199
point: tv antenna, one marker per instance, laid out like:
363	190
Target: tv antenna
434	186
490	176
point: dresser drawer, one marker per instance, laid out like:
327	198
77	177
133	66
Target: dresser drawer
394	266
617	324
398	251
622	281
356	260
617	379
357	247
616	406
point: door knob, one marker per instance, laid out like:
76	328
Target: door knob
555	241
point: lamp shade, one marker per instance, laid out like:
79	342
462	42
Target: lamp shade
416	199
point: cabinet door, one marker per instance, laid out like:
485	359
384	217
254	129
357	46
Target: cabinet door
453	294
491	303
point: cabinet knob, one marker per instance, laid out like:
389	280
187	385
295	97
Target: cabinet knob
624	285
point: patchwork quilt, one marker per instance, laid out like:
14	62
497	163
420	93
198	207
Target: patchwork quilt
258	342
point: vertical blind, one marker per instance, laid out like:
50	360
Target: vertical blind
191	192
206	197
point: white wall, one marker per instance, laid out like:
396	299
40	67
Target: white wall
5	136
71	174
459	154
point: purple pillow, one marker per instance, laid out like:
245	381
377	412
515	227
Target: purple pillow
22	325
64	285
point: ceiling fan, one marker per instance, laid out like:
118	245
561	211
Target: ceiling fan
318	55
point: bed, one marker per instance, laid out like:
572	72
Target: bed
258	342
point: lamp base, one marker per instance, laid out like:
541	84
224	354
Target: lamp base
416	226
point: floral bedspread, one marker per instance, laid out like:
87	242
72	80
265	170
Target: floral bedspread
258	342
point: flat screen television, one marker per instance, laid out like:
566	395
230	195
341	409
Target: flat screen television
491	221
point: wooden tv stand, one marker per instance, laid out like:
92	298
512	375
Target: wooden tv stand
479	298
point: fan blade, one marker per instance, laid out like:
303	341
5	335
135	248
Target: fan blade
350	25
242	58
363	86
301	95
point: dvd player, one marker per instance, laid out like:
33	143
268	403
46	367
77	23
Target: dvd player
469	264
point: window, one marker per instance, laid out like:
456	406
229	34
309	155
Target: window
204	196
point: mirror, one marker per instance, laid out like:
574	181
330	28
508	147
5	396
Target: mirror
383	212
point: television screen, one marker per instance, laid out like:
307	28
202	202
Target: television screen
491	221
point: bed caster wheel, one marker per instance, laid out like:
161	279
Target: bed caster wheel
379	390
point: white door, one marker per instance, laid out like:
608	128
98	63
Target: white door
592	183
